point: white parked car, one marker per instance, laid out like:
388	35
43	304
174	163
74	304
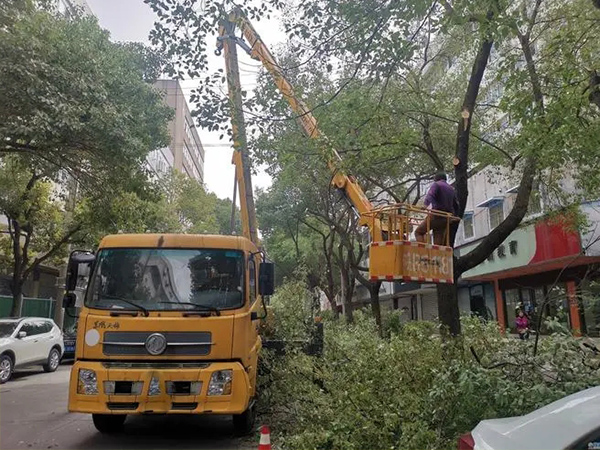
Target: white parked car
29	341
572	422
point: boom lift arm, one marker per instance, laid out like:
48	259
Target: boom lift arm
391	255
256	48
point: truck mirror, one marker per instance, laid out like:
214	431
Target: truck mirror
79	263
266	278
69	300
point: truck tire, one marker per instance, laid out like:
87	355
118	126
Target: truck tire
109	423
6	368
243	424
53	361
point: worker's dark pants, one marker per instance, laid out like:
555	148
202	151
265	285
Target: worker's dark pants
437	224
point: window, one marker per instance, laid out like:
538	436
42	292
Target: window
7	328
32	328
252	277
46	327
167	279
496	211
187	156
468	230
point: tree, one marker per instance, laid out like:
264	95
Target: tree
536	138
187	200
78	117
74	100
223	216
37	228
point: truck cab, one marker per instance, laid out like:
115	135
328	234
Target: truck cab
168	324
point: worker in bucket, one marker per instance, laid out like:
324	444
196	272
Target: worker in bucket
441	197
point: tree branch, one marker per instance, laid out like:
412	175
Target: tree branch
57	245
513	161
507	226
464	126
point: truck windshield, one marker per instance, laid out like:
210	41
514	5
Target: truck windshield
167	279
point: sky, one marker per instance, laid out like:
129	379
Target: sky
132	20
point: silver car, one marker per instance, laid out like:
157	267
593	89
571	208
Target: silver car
571	423
29	341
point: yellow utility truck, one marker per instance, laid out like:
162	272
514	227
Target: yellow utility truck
169	325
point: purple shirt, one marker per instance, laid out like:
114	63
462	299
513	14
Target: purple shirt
441	196
521	322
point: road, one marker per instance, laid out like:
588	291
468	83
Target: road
33	415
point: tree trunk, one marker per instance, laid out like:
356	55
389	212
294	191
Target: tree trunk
447	295
448	311
333	304
17	306
375	305
59	312
346	295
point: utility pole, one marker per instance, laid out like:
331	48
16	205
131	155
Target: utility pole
240	142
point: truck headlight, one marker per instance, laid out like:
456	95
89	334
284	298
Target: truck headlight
87	383
220	382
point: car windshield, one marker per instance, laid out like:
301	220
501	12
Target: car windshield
7	328
167	279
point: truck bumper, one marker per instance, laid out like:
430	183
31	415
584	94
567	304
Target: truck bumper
101	402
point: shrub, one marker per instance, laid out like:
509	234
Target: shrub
410	390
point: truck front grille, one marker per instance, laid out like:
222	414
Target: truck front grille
154	365
132	343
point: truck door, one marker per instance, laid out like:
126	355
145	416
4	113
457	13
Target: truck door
255	307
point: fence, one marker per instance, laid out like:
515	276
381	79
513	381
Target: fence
34	307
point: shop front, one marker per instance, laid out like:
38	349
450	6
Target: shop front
542	270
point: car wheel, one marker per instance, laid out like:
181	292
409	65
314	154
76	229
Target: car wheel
108	423
6	368
243	424
53	361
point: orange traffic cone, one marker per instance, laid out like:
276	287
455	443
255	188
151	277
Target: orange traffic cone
265	438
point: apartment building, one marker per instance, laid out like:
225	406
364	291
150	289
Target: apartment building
185	152
70	7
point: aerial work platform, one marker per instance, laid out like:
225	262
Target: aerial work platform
397	258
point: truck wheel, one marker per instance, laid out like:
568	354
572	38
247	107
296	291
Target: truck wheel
243	424
6	368
53	361
108	423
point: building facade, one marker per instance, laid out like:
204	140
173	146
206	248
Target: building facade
185	152
70	7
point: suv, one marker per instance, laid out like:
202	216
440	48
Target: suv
29	341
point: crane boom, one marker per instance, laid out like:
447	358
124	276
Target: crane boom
240	143
256	48
392	256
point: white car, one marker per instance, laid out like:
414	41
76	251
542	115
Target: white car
572	422
29	341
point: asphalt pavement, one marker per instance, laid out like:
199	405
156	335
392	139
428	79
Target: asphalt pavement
33	415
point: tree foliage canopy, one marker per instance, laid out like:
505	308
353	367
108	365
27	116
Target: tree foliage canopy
74	100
